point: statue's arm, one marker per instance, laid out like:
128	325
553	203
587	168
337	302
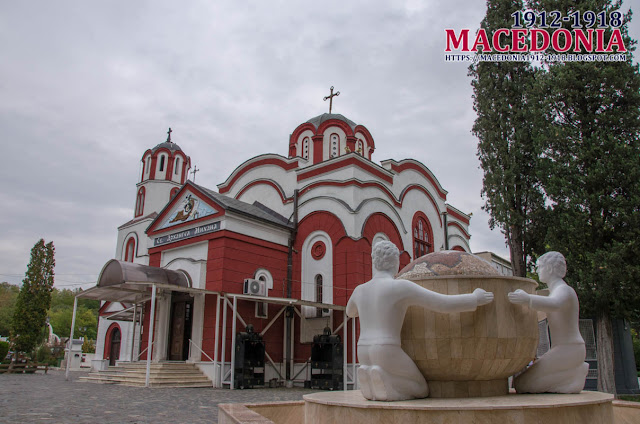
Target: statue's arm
553	302
419	296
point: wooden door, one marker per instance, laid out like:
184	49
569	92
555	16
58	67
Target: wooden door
177	331
114	350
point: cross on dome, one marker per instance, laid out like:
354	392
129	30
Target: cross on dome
330	97
169	135
195	169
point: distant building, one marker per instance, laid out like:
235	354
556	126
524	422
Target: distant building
501	264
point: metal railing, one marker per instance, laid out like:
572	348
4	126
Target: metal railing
191	343
145	349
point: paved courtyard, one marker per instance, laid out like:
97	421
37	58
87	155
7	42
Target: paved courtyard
40	398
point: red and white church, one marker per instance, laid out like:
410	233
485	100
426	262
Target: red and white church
280	245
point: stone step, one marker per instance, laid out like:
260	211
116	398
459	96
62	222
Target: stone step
191	377
140	383
154	379
143	363
164	374
153	371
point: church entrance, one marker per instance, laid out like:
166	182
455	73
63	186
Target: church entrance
180	326
114	348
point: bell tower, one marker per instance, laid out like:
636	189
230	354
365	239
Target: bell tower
164	170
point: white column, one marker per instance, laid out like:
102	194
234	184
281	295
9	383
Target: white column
224	338
133	330
216	341
344	350
150	339
353	353
291	344
233	340
73	325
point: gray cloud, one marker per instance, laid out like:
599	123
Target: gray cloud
87	87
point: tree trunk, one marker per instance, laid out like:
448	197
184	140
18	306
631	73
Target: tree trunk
517	255
604	346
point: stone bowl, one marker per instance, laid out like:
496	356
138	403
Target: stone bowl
468	354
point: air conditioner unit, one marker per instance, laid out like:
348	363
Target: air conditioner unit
255	287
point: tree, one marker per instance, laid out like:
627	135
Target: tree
8	298
61	312
506	110
592	157
86	322
34	298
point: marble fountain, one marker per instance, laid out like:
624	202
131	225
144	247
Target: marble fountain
465	355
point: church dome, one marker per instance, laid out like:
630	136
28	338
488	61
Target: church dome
447	262
167	145
328	136
318	120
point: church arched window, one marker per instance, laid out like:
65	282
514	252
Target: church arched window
305	148
140	202
360	148
262	274
422	235
129	250
317	272
318	284
176	166
335	146
161	163
147	166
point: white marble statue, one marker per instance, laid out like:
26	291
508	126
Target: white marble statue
386	372
562	369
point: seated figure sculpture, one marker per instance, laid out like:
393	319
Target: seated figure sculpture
562	369
386	372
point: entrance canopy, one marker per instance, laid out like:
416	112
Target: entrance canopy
129	282
126	314
286	301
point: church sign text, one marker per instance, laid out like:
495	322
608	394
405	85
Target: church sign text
191	232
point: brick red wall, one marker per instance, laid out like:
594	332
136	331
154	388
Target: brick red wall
230	259
233	257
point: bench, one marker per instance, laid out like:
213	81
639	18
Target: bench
23	367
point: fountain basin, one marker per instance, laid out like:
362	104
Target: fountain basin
468	354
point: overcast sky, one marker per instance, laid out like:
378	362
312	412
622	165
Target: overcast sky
87	87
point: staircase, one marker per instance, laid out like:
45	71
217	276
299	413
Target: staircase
163	374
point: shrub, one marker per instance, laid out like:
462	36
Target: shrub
4	350
89	346
636	348
43	354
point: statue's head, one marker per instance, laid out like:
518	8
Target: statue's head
551	264
385	256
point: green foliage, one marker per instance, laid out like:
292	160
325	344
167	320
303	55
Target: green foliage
86	322
506	107
43	354
4	350
8	299
62	299
60	312
89	346
591	129
34	298
578	125
636	348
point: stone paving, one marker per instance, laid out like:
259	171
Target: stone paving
40	398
